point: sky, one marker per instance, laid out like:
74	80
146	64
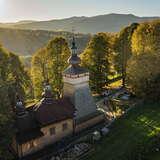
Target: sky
17	10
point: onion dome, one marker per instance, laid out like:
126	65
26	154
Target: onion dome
20	108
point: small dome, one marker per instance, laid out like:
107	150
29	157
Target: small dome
47	90
74	60
47	87
20	109
19	104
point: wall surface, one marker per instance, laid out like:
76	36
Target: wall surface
47	139
89	123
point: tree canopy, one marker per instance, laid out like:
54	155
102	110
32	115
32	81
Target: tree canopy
13	79
143	68
146	38
123	49
49	63
96	58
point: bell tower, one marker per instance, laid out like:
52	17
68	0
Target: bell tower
76	85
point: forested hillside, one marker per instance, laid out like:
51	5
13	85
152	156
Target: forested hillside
26	42
100	23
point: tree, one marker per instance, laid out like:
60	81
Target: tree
13	79
6	123
49	63
123	49
96	58
18	78
143	76
146	38
59	53
143	68
3	64
39	71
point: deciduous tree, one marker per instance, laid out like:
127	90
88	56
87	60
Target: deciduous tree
49	63
96	58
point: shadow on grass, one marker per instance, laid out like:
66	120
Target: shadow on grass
132	136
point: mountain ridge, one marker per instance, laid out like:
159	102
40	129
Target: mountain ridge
100	23
25	37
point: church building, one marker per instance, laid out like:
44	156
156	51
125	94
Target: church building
50	120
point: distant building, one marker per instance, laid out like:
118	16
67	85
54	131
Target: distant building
50	120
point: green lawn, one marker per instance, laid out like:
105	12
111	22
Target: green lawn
130	135
154	156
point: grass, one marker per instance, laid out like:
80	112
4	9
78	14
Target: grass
130	135
154	156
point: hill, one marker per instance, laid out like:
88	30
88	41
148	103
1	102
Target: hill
134	136
26	42
100	23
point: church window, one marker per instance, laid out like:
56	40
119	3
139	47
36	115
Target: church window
52	131
64	126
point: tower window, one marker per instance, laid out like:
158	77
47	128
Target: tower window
64	126
52	131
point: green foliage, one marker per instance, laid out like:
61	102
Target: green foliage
146	38
123	49
38	71
143	68
17	76
143	76
59	52
13	79
97	58
49	63
6	123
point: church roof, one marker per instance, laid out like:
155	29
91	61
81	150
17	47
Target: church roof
74	70
43	113
26	122
51	111
23	137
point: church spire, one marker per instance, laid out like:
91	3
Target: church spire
74	47
74	69
74	60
